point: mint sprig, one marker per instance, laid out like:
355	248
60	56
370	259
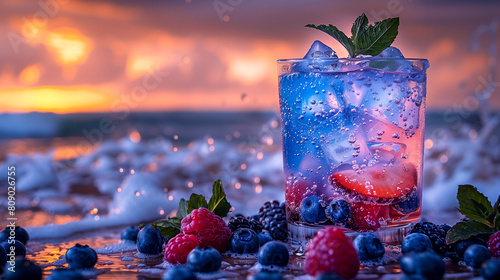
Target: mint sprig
217	204
366	39
182	210
484	218
169	227
474	205
196	201
465	230
338	35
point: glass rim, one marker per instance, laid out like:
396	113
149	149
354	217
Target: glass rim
352	59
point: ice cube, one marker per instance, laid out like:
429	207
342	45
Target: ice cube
319	58
391	52
386	152
307	98
392	64
379	129
345	143
320	50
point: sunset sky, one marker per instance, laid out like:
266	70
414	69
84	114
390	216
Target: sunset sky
95	56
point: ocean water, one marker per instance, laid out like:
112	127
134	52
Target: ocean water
83	166
44	128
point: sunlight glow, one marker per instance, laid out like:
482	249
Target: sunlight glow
138	66
52	99
70	46
250	70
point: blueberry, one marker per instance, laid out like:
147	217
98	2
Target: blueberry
64	274
24	270
476	255
130	233
339	211
329	276
244	241
19	248
409	205
264	237
491	270
20	234
369	247
273	253
422	265
462	245
178	273
416	242
81	256
204	260
149	240
311	209
267	275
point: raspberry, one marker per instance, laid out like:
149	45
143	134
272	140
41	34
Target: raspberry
295	192
179	247
367	217
210	229
332	251
494	245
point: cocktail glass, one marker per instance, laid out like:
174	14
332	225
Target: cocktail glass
353	133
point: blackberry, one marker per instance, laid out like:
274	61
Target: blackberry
437	235
273	218
255	223
240	221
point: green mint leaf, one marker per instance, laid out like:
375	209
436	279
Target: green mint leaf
338	35
169	227
196	201
464	230
182	211
218	202
359	25
474	205
373	39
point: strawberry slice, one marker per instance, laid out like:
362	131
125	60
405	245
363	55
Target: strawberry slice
390	181
367	217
